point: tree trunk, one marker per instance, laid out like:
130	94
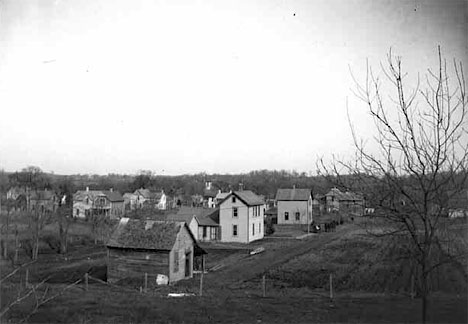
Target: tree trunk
424	291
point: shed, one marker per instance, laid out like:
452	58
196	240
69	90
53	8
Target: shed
153	247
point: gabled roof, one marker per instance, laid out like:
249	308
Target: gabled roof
293	194
247	197
204	216
113	196
335	192
146	234
272	211
42	195
221	195
209	219
186	218
146	193
211	193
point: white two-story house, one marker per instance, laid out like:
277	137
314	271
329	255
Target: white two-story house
241	216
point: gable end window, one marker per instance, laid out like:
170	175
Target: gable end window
233	199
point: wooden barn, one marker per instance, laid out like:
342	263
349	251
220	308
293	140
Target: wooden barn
139	247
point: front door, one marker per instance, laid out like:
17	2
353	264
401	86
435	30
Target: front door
188	262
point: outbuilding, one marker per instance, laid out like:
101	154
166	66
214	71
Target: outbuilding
139	247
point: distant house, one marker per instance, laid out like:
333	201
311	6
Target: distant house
98	202
271	215
147	197
294	206
220	197
241	217
209	195
203	222
14	192
42	200
458	204
336	200
130	201
156	248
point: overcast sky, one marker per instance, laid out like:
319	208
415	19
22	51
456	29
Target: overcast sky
179	86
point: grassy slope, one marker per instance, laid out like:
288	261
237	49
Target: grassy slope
297	272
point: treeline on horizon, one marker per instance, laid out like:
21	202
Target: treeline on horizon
264	182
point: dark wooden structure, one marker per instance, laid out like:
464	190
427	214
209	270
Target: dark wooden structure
140	248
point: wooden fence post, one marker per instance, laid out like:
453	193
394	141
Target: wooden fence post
146	282
86	281
26	281
264	286
331	286
201	285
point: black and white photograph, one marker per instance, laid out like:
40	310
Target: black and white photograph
233	161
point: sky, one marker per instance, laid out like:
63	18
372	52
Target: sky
188	86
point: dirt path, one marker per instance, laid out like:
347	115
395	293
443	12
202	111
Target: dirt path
244	268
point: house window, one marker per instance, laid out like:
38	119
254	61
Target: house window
286	216
176	261
298	216
259	227
77	212
234	230
253	229
204	231
234	212
255	211
233	199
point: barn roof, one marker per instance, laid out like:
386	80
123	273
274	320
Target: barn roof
293	194
146	234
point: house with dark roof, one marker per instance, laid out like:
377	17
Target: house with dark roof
336	200
241	217
294	206
98	202
151	198
202	222
42	200
139	248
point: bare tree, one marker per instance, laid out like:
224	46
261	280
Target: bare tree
419	160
